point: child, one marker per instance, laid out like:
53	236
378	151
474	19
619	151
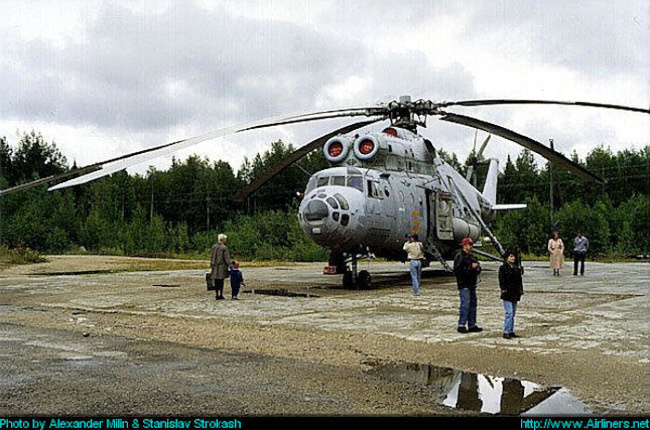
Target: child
236	279
511	291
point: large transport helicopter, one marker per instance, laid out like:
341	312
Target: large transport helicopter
382	185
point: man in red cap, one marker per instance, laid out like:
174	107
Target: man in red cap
467	269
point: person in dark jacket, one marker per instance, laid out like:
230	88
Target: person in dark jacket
580	248
219	263
236	280
467	269
512	289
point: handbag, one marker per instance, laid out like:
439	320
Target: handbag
208	281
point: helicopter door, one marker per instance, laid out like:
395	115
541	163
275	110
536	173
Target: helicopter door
444	215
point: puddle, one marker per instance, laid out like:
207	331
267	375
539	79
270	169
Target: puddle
81	272
281	292
484	393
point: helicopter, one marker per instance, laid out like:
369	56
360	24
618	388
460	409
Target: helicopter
381	186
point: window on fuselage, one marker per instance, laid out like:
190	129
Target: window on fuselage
373	190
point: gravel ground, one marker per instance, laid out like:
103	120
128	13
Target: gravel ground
110	342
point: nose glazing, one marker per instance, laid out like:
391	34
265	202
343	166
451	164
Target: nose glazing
316	212
325	214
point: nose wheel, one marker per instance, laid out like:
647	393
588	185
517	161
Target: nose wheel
353	280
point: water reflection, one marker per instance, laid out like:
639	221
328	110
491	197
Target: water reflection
472	391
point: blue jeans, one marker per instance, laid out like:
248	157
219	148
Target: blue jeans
468	304
416	273
509	322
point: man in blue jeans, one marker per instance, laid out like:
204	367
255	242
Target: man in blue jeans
467	269
415	254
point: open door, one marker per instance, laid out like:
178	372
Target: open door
444	216
440	216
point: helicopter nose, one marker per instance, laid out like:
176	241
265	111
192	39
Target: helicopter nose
326	216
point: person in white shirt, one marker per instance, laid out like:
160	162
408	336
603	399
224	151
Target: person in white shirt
415	254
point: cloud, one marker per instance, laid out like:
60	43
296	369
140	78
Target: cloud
140	73
595	38
131	71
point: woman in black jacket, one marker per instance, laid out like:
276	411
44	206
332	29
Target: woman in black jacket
511	291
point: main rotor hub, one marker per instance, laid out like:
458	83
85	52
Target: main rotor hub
407	114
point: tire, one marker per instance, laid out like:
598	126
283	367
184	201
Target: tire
348	280
365	280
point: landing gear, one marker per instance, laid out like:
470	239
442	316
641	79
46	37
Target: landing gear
352	279
357	281
364	280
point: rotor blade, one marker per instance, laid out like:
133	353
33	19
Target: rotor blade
485	142
475	137
114	165
526	142
293	157
47	180
540	102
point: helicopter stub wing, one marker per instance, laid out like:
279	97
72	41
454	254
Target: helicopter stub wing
526	142
509	207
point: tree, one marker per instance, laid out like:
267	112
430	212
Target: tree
280	191
6	164
35	158
591	220
527	229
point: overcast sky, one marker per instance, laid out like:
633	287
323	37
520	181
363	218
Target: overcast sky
103	78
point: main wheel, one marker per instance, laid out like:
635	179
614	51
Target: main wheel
364	280
348	280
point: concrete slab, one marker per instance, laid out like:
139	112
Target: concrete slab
600	316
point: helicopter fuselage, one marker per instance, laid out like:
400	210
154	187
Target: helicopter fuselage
385	186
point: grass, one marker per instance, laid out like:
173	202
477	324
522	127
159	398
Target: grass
19	255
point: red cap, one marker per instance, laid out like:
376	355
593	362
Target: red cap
468	241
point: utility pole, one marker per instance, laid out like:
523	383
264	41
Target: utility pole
151	206
207	206
550	177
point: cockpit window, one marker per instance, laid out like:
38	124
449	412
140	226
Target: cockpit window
353	181
338	180
356	182
311	185
323	180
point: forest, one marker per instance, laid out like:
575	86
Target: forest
179	212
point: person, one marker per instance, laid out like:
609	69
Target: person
415	254
219	263
236	280
467	269
511	290
556	250
580	248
